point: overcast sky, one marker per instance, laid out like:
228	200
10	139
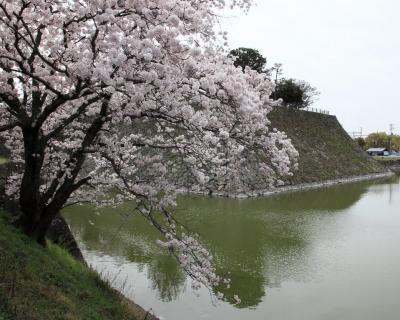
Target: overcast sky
348	49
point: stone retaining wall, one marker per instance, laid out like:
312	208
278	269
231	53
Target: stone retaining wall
295	188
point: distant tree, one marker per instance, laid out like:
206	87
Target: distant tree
395	142
277	69
247	57
361	142
295	94
377	140
383	140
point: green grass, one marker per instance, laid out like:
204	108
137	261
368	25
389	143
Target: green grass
387	159
47	283
2	161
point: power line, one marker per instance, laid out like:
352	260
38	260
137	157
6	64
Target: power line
356	134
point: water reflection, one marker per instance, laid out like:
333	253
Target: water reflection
259	243
117	234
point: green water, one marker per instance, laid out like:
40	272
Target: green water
332	253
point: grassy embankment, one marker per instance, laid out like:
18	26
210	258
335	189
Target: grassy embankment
392	163
47	283
387	159
326	151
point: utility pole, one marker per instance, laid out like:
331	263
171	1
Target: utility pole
391	129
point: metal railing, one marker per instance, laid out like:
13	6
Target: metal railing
316	110
308	109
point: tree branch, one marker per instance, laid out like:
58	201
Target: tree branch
70	119
9	126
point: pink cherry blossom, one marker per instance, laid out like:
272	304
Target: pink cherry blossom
111	101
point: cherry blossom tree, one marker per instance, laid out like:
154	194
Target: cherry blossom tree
130	100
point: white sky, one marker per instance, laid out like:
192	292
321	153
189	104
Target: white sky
348	49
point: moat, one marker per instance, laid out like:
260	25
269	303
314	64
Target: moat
331	253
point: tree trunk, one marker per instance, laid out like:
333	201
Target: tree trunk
35	228
58	232
29	201
37	213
